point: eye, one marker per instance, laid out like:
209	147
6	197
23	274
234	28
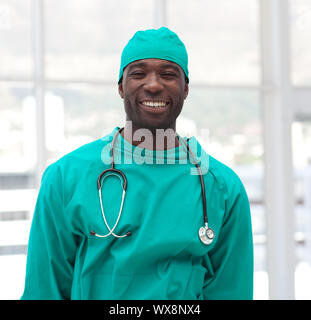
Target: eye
137	74
169	75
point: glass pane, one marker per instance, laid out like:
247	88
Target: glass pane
83	113
16	209
12	276
300	38
15	38
85	38
17	190
221	38
301	136
233	120
17	125
261	279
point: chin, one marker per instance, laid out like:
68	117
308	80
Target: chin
155	125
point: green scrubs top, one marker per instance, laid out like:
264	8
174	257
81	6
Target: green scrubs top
164	257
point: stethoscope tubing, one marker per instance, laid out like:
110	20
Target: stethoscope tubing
100	181
119	216
206	234
201	180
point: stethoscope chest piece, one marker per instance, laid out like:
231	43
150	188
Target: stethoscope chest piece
206	235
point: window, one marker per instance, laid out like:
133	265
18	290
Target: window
81	46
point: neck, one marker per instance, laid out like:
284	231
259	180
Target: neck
153	139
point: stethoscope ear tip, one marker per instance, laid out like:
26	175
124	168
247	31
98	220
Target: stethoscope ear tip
92	233
129	234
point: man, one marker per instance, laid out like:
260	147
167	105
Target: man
89	241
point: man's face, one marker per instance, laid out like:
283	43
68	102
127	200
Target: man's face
153	91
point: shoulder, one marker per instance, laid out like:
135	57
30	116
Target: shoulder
81	159
225	177
237	204
85	154
75	159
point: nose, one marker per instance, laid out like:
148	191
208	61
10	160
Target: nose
153	84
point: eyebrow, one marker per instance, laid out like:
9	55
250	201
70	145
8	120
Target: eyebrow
168	65
135	65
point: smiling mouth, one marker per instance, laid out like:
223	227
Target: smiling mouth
159	104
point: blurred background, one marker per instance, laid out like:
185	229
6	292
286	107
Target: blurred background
250	90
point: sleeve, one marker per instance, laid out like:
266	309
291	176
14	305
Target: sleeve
231	260
51	247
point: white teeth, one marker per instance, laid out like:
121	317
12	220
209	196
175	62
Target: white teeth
153	104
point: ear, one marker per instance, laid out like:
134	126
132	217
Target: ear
186	91
120	87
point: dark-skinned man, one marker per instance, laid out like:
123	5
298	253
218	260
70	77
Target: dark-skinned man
142	213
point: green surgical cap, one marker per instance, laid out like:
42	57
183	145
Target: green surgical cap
155	44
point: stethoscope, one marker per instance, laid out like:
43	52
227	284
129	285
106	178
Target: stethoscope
206	234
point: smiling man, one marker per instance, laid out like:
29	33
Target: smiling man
178	227
153	81
156	103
